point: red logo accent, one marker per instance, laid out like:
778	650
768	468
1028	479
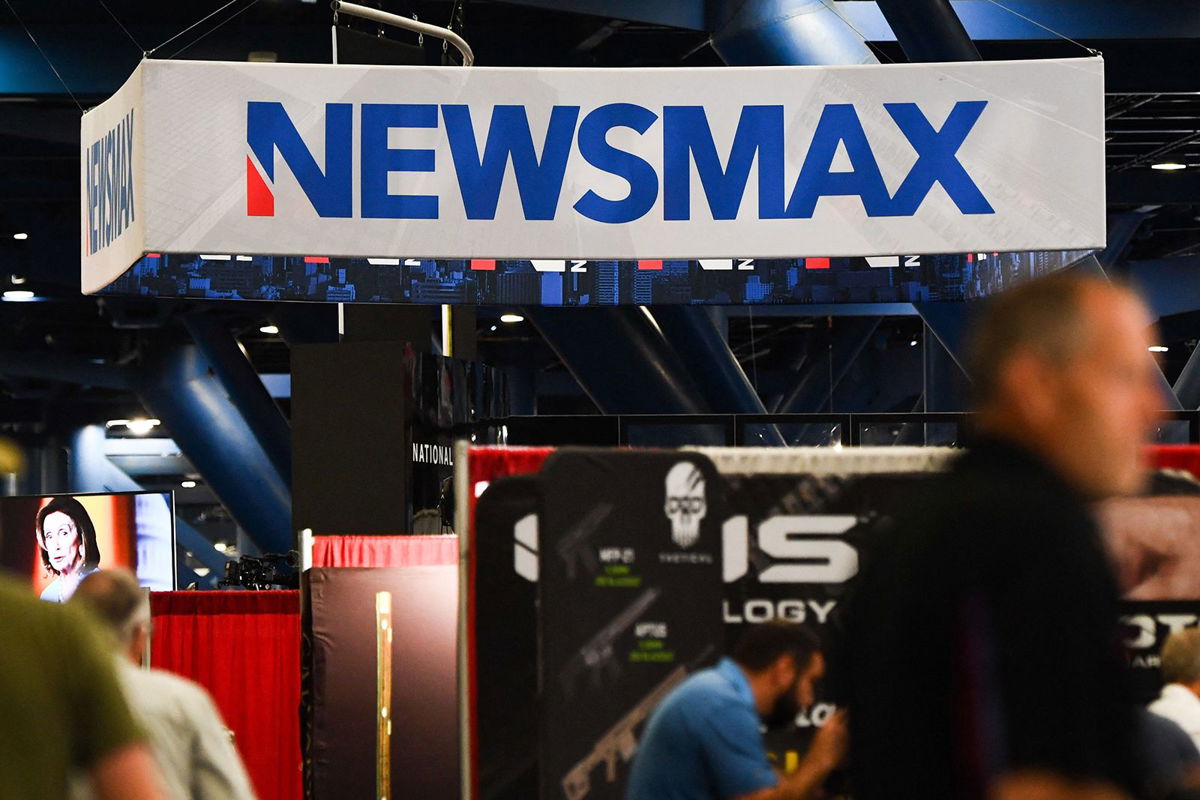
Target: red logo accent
259	200
483	264
316	260
816	263
653	266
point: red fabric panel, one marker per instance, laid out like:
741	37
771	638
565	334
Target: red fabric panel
488	464
244	648
1175	456
385	551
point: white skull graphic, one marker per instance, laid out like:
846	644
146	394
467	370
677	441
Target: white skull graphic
685	505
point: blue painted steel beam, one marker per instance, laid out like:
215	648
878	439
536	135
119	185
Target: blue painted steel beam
686	14
1121	230
950	325
946	382
1078	19
620	359
1172	290
1187	385
823	372
245	389
784	32
928	30
693	334
179	389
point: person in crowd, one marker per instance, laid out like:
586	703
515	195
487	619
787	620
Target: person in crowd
67	543
704	741
190	742
1170	760
1180	698
65	717
982	651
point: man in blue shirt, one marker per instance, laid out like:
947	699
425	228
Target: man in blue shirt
704	741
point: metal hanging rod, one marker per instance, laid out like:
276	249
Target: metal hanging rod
383	17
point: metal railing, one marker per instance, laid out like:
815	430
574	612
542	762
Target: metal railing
741	430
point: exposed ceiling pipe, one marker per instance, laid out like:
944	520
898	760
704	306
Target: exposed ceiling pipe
395	20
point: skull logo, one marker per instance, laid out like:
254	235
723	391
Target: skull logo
685	505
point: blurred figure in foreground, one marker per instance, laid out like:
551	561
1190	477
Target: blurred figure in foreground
189	740
982	650
704	742
64	715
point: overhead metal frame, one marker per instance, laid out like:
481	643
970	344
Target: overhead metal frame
408	24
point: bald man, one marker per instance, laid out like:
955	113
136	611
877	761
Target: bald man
982	646
189	740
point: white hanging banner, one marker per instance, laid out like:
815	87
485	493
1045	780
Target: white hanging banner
433	162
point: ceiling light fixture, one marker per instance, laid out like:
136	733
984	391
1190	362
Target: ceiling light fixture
140	427
188	484
270	330
511	318
1168	166
220	547
18	295
20	237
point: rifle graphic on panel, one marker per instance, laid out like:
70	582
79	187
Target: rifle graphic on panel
619	741
597	654
572	547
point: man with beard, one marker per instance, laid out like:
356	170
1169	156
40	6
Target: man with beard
704	741
983	656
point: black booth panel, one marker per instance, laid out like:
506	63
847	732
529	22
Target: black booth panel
424	708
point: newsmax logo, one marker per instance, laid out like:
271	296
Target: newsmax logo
686	140
108	172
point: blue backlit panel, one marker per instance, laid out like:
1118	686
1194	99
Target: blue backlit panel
885	279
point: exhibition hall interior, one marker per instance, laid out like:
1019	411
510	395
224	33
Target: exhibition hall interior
564	399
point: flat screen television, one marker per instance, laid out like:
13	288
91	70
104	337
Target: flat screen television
54	541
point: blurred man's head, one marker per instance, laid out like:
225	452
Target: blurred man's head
114	597
782	662
1181	659
1061	365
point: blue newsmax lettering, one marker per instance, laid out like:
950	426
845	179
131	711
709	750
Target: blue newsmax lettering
108	170
760	138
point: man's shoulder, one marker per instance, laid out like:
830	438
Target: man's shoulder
1175	702
710	683
975	495
162	688
177	684
706	694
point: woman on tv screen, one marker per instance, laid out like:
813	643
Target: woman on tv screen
67	542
